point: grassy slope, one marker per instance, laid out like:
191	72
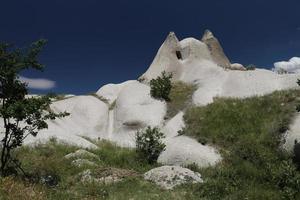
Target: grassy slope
181	98
49	160
248	133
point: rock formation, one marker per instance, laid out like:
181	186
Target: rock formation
167	59
105	175
237	66
117	111
215	49
168	177
178	57
81	153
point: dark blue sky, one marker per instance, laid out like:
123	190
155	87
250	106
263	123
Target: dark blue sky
94	42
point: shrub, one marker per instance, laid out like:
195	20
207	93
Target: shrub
296	157
141	79
298	106
161	86
298	82
149	144
281	71
251	67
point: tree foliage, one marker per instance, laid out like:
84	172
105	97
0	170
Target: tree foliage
21	116
161	86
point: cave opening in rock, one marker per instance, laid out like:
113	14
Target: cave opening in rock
179	55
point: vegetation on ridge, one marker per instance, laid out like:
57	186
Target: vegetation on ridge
248	133
180	98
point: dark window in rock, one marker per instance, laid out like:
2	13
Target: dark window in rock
178	54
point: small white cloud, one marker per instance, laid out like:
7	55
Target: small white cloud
38	83
291	66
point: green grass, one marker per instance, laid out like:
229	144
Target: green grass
248	133
113	156
180	98
48	159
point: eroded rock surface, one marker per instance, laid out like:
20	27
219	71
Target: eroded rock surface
81	153
106	175
83	162
215	49
168	177
182	150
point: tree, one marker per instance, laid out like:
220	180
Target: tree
21	116
149	144
161	86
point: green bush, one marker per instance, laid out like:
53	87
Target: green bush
161	86
298	82
250	67
281	71
149	144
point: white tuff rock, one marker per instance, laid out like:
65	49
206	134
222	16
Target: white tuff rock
182	150
88	117
135	109
106	175
168	177
81	153
216	50
83	162
237	66
110	92
292	135
291	66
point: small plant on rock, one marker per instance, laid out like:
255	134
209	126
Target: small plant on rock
250	67
161	86
298	108
149	144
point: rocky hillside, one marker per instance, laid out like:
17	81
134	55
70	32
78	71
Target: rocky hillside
247	133
116	111
226	127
